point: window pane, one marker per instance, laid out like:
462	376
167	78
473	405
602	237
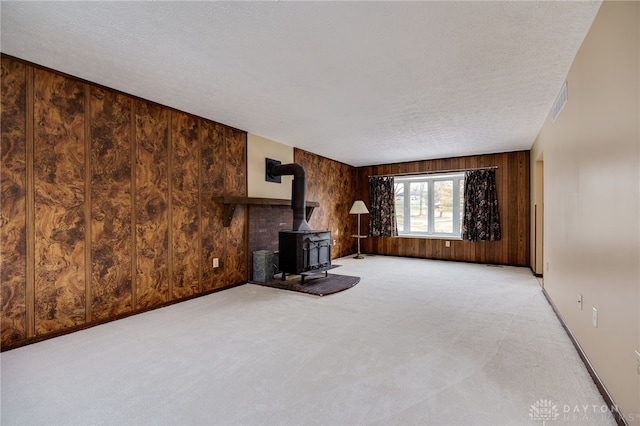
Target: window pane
419	192
443	205
399	190
425	204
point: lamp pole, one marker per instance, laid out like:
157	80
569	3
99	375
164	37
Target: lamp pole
359	256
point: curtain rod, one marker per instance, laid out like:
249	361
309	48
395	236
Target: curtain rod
436	171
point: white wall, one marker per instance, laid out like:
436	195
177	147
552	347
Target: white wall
258	149
591	201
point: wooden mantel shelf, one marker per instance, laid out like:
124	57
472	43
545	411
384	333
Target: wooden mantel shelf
230	204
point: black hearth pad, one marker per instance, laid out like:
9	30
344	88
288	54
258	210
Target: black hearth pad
321	286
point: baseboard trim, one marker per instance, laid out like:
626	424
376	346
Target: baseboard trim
608	399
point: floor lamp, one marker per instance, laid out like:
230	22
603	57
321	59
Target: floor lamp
359	208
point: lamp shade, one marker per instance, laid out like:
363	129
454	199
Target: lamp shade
358	208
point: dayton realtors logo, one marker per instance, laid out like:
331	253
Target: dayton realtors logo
544	410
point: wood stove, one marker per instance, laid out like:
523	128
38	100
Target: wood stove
304	251
301	251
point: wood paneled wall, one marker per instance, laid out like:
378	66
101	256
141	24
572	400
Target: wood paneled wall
13	205
59	174
111	204
107	204
512	181
332	184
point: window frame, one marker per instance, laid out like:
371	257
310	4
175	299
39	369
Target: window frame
430	179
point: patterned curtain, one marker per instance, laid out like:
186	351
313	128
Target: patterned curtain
481	221
382	212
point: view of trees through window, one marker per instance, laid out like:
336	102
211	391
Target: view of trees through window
430	204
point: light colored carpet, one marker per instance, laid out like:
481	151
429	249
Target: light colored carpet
415	342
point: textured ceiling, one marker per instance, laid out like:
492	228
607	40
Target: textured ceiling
359	82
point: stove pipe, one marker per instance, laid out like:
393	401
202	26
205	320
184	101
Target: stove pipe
298	200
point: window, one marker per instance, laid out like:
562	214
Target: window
430	205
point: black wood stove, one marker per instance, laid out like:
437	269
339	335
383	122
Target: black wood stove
301	251
304	251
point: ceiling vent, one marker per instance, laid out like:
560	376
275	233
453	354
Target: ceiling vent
560	102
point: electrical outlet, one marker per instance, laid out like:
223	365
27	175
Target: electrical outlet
594	317
447	243
580	301
637	362
216	262
547	266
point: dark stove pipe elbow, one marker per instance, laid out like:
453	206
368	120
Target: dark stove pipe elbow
298	196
